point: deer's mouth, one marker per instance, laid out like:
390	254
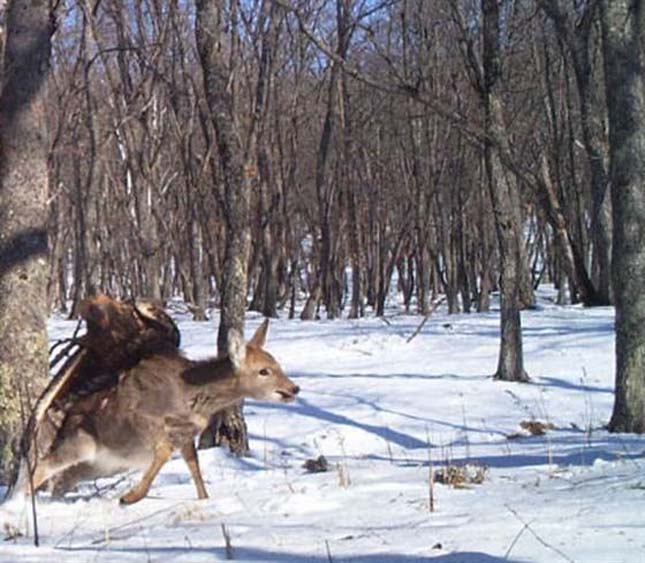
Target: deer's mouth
285	396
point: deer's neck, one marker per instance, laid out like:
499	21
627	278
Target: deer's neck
211	386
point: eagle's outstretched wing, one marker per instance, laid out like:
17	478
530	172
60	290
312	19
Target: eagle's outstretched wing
119	335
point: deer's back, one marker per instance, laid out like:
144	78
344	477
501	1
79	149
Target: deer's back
130	418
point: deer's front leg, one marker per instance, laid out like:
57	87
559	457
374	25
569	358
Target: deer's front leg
163	452
190	457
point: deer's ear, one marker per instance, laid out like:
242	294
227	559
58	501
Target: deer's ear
260	337
236	348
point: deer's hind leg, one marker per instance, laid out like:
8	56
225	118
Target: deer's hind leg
189	454
76	448
162	454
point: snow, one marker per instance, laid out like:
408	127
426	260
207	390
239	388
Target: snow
386	413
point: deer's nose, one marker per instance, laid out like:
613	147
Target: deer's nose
295	390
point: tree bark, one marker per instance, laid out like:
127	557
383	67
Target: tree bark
237	191
23	218
510	365
623	25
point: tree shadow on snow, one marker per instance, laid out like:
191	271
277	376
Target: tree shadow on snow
566	451
304	407
255	555
561	447
564	384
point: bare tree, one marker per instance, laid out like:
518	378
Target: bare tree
332	152
237	177
23	217
574	29
505	199
624	45
486	78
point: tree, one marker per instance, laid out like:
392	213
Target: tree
326	284
356	133
623	44
23	218
486	77
237	179
576	36
504	195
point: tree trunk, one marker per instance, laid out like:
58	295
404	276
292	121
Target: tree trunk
571	259
23	218
622	24
237	189
510	366
577	38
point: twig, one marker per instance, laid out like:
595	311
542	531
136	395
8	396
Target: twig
125	525
425	319
476	135
430	473
515	540
230	553
527	526
330	559
65	354
29	467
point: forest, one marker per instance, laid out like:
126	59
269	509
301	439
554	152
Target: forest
361	129
323	160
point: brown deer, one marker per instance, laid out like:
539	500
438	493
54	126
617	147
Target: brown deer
159	406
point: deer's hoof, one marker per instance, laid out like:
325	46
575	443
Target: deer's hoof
130	498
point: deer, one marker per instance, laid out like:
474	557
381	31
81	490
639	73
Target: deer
158	407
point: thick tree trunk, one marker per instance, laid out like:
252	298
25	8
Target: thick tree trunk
237	189
623	42
510	366
23	218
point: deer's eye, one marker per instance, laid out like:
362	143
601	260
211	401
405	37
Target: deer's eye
264	371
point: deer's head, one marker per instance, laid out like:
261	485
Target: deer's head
260	375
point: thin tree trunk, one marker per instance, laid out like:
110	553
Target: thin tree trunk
577	39
571	259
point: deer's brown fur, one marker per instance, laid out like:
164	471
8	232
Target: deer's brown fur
159	406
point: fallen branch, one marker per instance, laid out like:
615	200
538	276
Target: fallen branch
425	319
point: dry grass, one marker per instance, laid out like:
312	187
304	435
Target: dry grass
318	465
461	476
11	533
531	428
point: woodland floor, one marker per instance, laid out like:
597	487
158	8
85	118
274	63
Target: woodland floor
387	413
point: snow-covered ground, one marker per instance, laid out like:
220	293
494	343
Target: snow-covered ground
386	413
